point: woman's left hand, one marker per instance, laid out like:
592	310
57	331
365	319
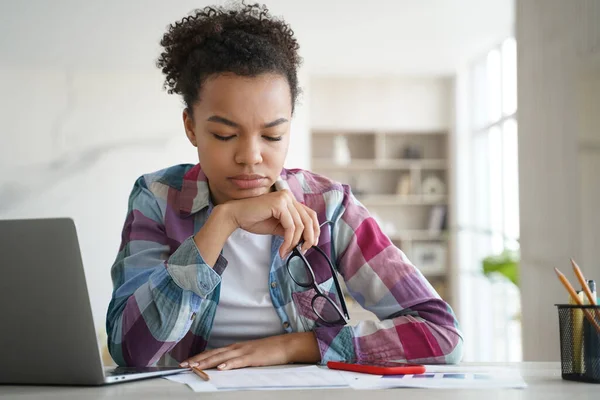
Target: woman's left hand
276	350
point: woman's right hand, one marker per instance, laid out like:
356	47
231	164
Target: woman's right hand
276	213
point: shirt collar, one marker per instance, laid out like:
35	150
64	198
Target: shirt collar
195	194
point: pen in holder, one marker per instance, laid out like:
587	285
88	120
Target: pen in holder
579	342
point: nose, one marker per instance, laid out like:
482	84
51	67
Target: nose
248	152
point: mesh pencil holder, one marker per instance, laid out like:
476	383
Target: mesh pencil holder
579	342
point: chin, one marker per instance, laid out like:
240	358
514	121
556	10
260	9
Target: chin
239	194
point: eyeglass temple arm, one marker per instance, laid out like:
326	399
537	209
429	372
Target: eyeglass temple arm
336	283
335	280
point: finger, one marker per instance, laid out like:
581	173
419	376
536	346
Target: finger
278	229
287	223
218	359
315	219
298	225
308	233
234	363
193	361
280	211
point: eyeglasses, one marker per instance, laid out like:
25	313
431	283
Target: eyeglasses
303	275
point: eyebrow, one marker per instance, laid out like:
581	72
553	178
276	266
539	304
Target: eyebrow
225	121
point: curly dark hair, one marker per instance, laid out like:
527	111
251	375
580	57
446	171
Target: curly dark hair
243	39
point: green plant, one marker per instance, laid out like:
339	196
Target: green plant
505	263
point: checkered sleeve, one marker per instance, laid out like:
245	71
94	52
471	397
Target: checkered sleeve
415	324
158	285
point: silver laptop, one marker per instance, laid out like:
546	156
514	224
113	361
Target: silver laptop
47	333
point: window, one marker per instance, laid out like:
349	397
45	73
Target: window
494	136
489	307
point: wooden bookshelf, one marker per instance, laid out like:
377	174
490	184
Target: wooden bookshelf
379	160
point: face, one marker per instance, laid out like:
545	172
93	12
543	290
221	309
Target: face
241	128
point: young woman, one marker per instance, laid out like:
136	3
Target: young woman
217	268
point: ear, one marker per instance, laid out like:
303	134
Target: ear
188	124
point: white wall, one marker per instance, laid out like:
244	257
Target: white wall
559	142
336	36
382	102
72	142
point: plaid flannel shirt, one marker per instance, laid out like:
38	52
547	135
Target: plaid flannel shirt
165	296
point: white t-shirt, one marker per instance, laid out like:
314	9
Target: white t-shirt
245	310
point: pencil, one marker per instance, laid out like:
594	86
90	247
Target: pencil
576	298
584	286
201	373
583	282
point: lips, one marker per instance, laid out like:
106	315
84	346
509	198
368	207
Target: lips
249	181
247	177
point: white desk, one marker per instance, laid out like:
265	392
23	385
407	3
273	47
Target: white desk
543	379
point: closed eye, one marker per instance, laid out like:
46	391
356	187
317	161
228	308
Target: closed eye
272	138
223	138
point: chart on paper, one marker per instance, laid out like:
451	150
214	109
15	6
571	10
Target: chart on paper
444	377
